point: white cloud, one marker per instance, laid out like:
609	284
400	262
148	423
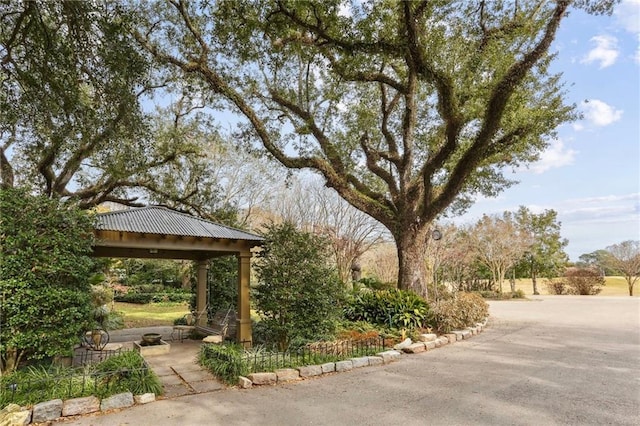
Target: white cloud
628	15
601	209
600	113
605	51
556	155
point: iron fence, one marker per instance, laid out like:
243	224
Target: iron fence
35	385
83	356
261	360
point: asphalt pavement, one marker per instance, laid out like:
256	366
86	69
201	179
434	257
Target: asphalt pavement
553	360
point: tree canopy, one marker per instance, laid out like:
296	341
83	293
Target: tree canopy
73	121
408	109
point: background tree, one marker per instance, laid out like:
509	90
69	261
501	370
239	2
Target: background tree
44	277
381	263
405	108
310	206
545	256
298	294
498	243
599	259
625	257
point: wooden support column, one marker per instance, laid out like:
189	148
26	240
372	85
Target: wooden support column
201	292
243	328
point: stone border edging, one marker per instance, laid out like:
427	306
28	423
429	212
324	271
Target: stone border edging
48	411
427	342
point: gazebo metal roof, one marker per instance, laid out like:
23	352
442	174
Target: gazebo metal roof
163	221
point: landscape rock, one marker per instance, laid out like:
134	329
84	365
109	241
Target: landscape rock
213	339
85	405
244	383
388	356
415	348
310	370
329	367
375	360
405	343
428	337
458	334
120	400
360	362
430	345
344	365
14	415
47	411
451	337
287	374
145	398
263	378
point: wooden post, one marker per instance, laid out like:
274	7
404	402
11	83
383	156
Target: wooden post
201	293
243	328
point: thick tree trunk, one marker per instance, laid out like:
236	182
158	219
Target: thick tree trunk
412	271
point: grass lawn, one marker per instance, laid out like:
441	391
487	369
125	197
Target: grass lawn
615	286
150	314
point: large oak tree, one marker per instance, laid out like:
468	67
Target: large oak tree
406	108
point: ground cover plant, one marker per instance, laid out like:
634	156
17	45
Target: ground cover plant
126	372
393	308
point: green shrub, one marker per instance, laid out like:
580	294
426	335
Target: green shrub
299	295
459	312
44	276
144	298
375	284
224	361
393	308
127	372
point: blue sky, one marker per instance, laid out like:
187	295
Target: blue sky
590	174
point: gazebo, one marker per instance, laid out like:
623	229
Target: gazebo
161	233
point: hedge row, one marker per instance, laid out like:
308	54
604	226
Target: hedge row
143	298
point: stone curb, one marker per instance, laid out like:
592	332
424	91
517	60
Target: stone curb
49	411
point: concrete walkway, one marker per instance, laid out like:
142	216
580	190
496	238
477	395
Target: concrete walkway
178	370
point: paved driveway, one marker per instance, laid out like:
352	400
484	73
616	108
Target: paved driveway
550	361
